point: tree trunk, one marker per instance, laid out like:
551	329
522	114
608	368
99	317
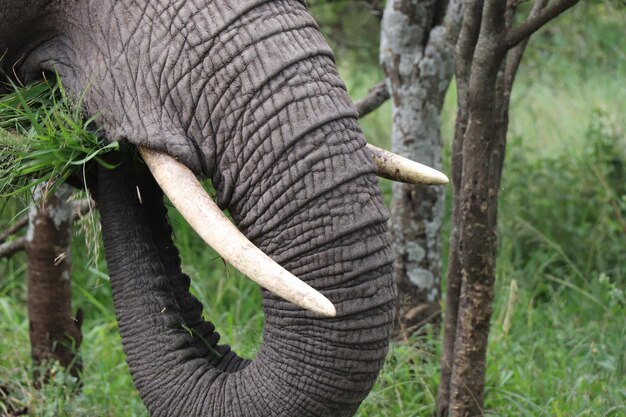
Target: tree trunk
417	57
489	52
463	60
54	333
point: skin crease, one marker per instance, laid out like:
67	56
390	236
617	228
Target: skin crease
247	94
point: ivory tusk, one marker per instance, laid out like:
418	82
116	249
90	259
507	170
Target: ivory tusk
194	204
398	168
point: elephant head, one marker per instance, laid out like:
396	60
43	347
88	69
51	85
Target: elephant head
244	92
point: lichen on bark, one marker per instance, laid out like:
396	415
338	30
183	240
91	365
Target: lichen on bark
417	57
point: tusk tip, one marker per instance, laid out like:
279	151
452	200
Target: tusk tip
319	304
399	168
428	175
329	310
441	179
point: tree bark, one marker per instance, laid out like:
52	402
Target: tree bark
486	63
376	96
463	58
417	58
54	333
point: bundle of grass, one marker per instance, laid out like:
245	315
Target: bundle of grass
44	138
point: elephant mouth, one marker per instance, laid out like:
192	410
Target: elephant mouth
187	194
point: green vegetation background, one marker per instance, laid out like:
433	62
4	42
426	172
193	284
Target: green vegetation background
558	340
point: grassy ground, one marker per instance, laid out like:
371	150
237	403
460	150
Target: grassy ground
558	341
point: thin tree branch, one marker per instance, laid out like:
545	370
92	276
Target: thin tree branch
81	207
515	54
453	19
533	23
9	249
14	228
514	58
512	4
375	98
472	14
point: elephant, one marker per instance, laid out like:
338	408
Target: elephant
246	94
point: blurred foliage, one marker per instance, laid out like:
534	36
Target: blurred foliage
590	35
576	202
351	27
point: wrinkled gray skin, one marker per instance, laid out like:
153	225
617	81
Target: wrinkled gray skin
244	92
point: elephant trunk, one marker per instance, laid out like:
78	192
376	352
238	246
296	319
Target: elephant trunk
307	366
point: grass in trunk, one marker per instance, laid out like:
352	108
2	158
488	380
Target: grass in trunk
44	138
